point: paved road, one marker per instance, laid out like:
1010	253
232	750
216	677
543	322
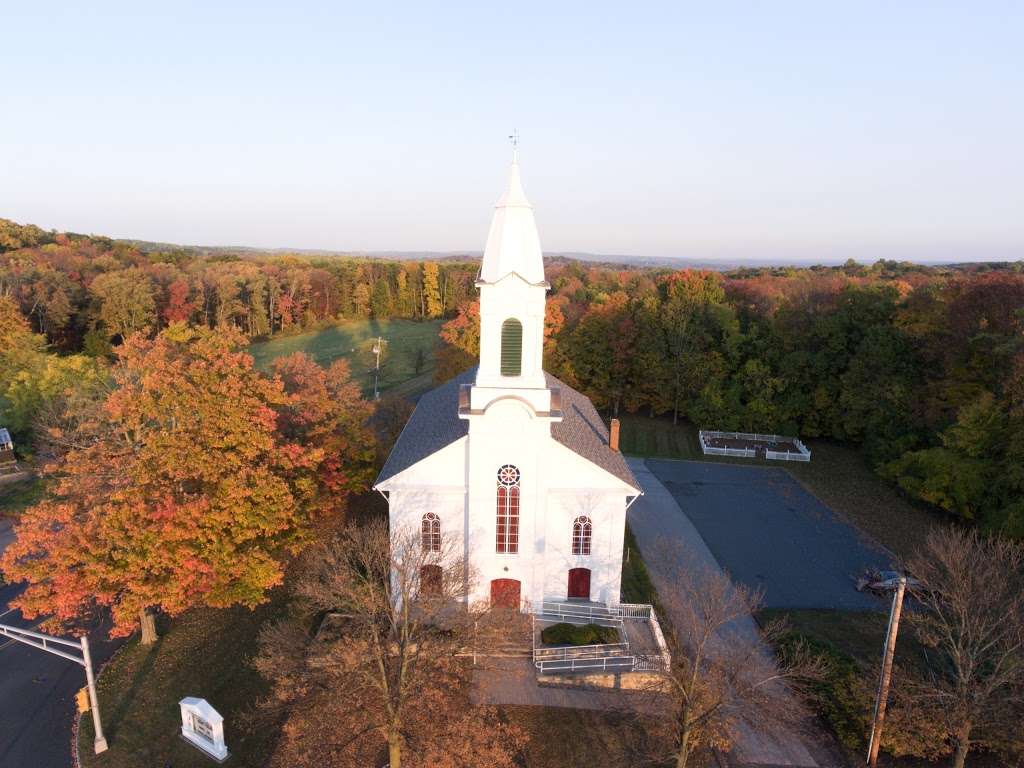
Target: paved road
37	692
656	517
770	533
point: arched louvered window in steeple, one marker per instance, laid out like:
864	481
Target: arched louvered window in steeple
511	347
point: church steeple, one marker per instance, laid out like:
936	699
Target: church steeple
512	295
512	243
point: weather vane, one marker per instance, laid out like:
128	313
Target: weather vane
514	138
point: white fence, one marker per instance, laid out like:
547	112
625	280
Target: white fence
802	453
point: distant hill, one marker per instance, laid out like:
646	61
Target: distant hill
626	260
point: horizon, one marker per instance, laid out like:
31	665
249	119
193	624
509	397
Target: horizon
786	135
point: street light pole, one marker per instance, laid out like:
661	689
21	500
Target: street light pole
100	742
883	683
46	643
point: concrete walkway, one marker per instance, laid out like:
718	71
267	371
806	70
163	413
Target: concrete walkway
513	681
656	517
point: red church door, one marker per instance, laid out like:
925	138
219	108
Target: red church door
505	593
431	580
579	583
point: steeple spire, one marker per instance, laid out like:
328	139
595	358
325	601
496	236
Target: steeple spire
512	243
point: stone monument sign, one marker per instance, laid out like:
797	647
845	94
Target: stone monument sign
203	727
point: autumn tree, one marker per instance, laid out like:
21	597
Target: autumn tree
326	412
177	307
460	348
126	302
601	350
971	618
382	675
723	677
431	289
180	494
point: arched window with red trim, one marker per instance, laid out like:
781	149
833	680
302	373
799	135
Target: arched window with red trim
507	519
582	529
430	531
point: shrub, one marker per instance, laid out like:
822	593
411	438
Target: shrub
845	699
575	634
844	696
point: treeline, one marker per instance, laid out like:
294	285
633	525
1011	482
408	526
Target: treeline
84	292
922	366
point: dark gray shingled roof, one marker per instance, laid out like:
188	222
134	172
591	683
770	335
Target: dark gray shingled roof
435	423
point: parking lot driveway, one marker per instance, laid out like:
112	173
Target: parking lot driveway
768	532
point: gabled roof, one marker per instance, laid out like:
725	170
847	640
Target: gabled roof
435	424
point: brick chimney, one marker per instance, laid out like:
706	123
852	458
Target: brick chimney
613	438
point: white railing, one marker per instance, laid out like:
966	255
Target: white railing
577	611
580	651
605	664
650	662
557	659
665	657
633	610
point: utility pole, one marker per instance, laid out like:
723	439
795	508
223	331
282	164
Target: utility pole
378	347
44	643
883	683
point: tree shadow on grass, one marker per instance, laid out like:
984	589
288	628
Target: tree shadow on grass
124	704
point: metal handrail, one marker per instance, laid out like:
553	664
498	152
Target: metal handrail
577	651
571	665
578	609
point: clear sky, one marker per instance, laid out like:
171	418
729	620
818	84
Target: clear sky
699	130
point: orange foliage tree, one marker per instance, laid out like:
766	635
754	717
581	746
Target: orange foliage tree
182	493
326	411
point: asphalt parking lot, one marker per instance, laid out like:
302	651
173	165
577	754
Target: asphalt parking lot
769	533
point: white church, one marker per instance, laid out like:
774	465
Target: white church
516	466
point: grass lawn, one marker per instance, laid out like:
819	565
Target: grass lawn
636	581
858	634
203	653
15	498
353	341
837	474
